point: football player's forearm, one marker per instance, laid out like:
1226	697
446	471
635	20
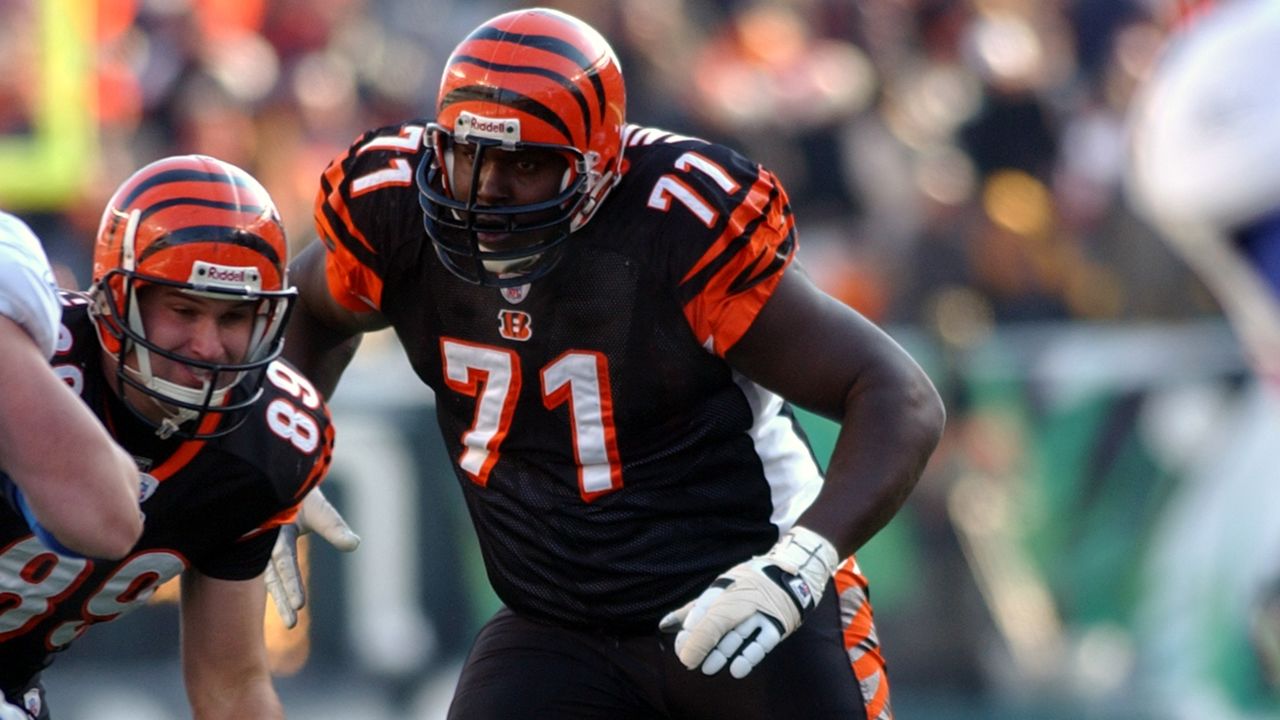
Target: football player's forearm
889	431
319	351
257	700
63	461
109	485
328	364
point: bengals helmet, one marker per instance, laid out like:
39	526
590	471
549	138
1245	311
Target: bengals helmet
529	79
210	229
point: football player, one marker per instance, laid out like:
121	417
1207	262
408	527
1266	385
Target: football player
1205	171
610	316
175	349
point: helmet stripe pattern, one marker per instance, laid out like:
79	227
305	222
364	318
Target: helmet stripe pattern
495	42
526	79
202	233
514	100
174	176
197	201
551	45
556	46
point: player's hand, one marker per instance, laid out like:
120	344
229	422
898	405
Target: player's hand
748	610
9	711
283	578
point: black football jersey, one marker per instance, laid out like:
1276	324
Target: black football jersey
212	505
612	461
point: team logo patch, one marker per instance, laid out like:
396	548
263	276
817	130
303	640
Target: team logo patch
800	589
32	702
515	295
515	325
147	485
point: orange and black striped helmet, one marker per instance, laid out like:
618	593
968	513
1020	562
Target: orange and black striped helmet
208	228
534	78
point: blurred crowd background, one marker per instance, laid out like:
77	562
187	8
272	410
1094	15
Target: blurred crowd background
940	153
956	170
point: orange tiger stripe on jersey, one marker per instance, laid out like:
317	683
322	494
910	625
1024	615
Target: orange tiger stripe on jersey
710	316
185	452
861	641
353	285
320	467
335	202
755	204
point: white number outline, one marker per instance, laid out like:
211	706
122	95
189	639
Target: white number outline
670	186
284	418
398	172
581	380
290	423
578	378
60	576
492	375
30	556
293	382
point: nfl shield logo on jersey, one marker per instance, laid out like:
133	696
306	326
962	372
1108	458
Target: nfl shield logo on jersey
515	294
32	702
147	485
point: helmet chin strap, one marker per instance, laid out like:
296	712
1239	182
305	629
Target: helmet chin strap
173	416
173	419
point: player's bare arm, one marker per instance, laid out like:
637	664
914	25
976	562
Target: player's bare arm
61	458
322	335
826	357
822	355
224	660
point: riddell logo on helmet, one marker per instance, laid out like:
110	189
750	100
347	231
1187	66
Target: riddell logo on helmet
505	129
228	276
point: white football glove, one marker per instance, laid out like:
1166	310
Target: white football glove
8	711
283	578
748	610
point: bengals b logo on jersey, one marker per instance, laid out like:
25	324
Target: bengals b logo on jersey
515	325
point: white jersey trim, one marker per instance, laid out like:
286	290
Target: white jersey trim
793	475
